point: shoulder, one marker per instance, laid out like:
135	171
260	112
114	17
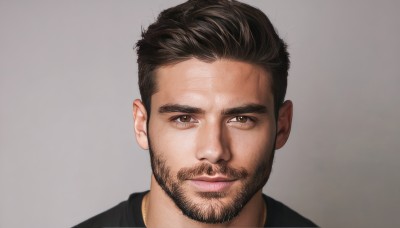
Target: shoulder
280	215
126	213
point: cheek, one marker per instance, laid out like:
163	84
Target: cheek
174	146
249	148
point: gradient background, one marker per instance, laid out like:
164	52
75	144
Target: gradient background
68	77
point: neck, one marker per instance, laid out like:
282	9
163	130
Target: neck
161	211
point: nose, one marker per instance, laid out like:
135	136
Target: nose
213	143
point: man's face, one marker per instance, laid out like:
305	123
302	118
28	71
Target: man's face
212	134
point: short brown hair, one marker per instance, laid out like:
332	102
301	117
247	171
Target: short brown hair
209	30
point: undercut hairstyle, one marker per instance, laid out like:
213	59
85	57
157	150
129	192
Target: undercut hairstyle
209	30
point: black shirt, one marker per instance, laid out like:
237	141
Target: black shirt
129	214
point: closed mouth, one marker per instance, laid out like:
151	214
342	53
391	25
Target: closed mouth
212	183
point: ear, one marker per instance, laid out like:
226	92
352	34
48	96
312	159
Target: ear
140	123
284	124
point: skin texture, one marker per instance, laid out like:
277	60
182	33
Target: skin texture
206	116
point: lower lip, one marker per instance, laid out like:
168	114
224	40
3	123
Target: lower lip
208	186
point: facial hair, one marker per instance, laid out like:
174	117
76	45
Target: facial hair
213	210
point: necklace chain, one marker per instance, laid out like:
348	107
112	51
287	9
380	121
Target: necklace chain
144	209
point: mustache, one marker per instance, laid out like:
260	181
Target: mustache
206	168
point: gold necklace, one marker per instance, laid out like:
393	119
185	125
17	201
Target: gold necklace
264	214
144	209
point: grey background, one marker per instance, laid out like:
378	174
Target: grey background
68	78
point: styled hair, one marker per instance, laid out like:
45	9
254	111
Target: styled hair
210	30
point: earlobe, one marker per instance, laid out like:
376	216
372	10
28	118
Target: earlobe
140	124
284	124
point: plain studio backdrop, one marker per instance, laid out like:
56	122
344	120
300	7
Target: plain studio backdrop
68	76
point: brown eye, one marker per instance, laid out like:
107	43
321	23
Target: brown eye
242	119
184	119
243	122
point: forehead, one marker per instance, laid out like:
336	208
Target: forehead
220	83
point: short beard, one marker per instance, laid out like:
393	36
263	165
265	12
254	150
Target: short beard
213	210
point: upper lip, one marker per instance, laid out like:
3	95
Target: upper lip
212	179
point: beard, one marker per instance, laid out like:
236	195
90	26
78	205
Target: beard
212	209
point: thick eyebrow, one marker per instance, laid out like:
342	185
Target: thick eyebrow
249	108
168	108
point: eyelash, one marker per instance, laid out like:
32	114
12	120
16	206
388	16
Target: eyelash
251	119
175	120
248	124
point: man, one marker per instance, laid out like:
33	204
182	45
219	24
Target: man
212	77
